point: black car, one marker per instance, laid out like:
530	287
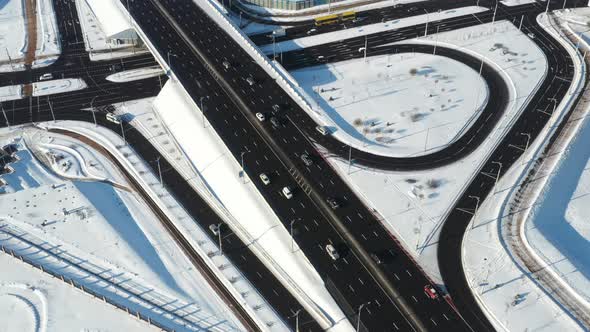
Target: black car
306	159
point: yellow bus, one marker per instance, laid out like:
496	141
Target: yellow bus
348	16
325	20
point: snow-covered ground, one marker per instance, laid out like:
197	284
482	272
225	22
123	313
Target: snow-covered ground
319	39
62	192
13	35
135	74
48	39
413	205
382	106
38	302
44	88
249	214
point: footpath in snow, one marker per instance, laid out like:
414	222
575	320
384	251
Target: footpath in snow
249	215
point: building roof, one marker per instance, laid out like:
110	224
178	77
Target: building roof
113	21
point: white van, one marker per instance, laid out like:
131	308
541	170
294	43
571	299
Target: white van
287	192
332	252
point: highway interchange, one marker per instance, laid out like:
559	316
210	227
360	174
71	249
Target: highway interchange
392	293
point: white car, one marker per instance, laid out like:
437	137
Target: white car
531	35
287	192
46	77
332	252
264	178
260	116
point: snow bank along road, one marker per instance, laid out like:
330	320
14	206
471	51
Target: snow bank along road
100	92
193	35
394	291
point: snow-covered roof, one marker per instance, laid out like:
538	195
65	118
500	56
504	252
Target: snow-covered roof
113	21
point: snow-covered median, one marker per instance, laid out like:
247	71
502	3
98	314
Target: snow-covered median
135	74
52	87
395	105
246	206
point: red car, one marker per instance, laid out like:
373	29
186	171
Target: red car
430	292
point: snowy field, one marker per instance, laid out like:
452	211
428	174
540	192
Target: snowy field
13	35
39	302
217	167
320	39
381	106
61	191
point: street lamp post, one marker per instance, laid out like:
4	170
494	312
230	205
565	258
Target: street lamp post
296	315
202	110
219	238
498	174
51	109
92	110
5	117
159	169
358	320
528	139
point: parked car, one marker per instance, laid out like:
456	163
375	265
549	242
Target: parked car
276	107
264	178
226	64
306	159
430	292
287	192
250	80
332	252
260	116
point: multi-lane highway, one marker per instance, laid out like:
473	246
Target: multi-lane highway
391	294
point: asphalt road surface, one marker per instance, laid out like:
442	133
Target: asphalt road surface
351	279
